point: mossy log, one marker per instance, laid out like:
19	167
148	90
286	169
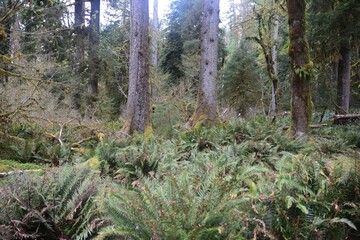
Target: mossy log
5	174
346	119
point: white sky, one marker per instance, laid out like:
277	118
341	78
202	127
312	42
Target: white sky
164	7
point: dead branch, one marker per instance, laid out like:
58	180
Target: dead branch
15	138
77	144
311	126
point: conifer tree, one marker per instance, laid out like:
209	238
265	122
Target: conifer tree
206	109
94	61
138	104
301	104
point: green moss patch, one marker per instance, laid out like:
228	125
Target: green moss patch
10	165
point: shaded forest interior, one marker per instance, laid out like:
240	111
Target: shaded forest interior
117	122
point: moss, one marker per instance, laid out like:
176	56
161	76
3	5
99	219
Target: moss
93	163
203	120
101	136
148	132
309	107
10	165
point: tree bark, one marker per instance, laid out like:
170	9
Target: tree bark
15	36
270	53
79	51
155	47
301	104
275	66
94	61
206	109
138	105
5	26
343	78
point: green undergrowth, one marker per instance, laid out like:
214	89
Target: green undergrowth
10	165
238	180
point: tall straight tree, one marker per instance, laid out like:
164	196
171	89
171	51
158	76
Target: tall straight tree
275	65
79	49
206	109
155	46
138	104
301	104
344	74
94	40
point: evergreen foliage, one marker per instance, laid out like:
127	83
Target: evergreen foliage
237	180
241	78
60	203
182	41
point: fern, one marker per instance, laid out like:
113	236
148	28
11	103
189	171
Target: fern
58	203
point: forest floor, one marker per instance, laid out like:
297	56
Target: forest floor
239	180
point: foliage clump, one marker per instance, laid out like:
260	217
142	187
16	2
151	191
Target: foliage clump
59	203
238	180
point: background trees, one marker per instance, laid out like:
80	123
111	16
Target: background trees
334	36
62	42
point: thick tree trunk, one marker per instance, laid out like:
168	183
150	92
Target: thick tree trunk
206	109
79	51
155	47
138	105
343	78
94	61
301	104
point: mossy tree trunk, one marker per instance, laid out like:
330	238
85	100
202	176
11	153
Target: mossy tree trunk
138	104
344	76
79	51
275	66
155	48
206	109
94	61
5	32
301	104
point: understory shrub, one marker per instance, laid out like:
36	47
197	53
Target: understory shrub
57	204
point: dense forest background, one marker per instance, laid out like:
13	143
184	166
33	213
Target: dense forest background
52	48
73	167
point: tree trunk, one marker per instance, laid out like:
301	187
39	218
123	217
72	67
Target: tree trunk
138	105
343	78
15	36
79	51
301	104
155	47
5	26
94	40
206	109
275	66
270	53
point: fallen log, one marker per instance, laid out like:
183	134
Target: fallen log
311	126
5	174
346	119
